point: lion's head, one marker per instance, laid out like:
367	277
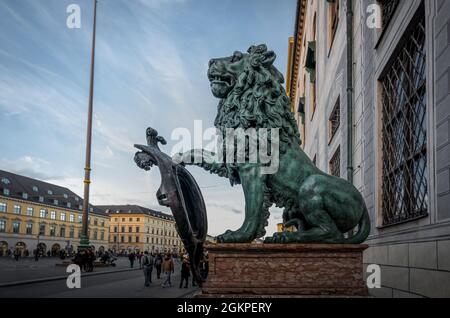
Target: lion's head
251	93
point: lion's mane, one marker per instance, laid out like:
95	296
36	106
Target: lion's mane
259	100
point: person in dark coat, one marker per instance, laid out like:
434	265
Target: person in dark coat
131	258
90	260
17	254
158	265
147	264
185	272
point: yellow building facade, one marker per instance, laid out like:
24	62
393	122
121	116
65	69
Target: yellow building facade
36	214
136	228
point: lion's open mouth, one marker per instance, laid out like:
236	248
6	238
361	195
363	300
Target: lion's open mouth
221	79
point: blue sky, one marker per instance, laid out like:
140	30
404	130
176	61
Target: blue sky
151	63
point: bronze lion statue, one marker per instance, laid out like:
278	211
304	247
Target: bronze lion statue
321	207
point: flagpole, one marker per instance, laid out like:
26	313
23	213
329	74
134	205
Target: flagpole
84	240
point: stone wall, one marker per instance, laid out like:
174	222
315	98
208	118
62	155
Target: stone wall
442	99
414	256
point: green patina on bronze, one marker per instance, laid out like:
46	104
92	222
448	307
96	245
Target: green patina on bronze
320	206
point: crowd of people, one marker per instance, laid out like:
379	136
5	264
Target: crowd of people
164	264
37	253
15	253
104	256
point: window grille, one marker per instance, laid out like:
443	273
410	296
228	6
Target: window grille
335	163
335	119
387	10
404	130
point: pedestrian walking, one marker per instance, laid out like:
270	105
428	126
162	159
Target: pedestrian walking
147	263
131	258
168	269
36	255
16	254
140	258
90	260
185	272
158	265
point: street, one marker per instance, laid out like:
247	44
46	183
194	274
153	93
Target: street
113	284
28	269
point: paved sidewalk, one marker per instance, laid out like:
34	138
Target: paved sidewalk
28	269
129	284
132	287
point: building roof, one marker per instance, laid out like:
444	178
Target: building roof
133	209
33	190
295	60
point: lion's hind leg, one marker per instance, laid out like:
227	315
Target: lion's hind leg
322	228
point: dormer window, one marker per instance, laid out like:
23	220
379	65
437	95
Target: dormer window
50	192
6	191
69	204
80	207
91	209
6	181
55	202
41	198
25	195
35	189
65	196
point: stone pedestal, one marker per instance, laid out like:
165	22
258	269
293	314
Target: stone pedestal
292	269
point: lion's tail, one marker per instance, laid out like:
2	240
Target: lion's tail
363	230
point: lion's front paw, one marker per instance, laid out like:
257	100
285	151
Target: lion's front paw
226	237
277	238
233	237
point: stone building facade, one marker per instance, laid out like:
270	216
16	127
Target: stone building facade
139	229
36	214
369	83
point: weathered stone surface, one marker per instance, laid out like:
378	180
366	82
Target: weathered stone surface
292	269
423	255
402	294
395	277
383	292
398	255
430	283
444	255
376	255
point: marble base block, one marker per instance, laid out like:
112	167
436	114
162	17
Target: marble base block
291	269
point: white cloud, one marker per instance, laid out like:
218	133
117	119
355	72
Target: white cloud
116	137
30	166
154	4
